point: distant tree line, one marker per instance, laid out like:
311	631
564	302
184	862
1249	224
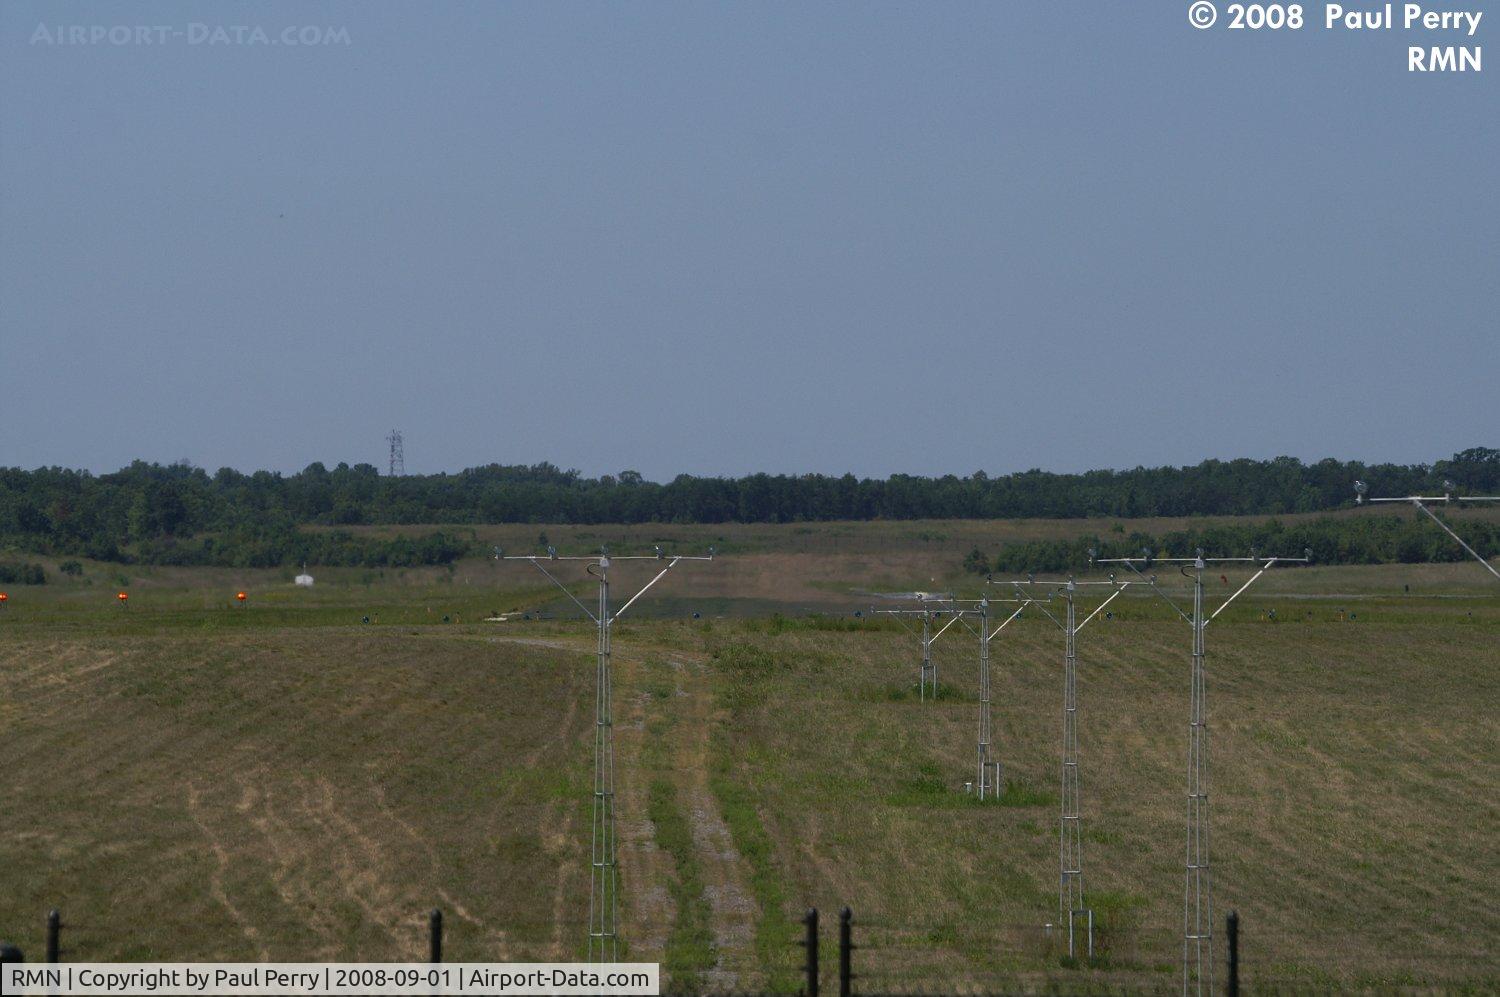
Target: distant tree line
180	514
1362	540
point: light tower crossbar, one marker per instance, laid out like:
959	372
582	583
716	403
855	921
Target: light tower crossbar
603	928
1421	502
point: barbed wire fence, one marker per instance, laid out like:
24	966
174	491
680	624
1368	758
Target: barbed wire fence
875	956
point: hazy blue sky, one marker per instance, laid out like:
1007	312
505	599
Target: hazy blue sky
717	238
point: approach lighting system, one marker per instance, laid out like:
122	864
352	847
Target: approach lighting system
1361	490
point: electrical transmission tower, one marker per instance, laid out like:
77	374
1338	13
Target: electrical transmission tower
398	457
603	928
1197	890
1072	905
1420	501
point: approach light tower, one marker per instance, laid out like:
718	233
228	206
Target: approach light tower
1197	894
988	782
927	676
1072	905
603	853
1361	490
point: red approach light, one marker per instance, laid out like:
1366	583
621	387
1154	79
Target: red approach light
4	597
122	596
240	596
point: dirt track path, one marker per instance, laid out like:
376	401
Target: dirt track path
682	724
726	875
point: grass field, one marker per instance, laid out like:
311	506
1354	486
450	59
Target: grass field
191	780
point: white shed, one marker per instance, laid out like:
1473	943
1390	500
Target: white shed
304	580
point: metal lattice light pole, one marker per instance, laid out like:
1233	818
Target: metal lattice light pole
989	782
995	780
982	780
985	784
1072	905
927	676
1361	490
1197	893
603	852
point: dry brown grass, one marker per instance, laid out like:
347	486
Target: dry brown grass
191	782
1354	811
292	795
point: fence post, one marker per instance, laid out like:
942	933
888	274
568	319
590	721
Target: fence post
846	946
435	936
810	942
1233	936
54	926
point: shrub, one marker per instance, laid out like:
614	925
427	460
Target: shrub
17	573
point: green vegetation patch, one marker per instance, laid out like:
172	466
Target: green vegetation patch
774	931
690	945
22	573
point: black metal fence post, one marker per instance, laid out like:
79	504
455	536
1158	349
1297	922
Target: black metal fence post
846	946
1233	936
810	942
435	936
54	927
